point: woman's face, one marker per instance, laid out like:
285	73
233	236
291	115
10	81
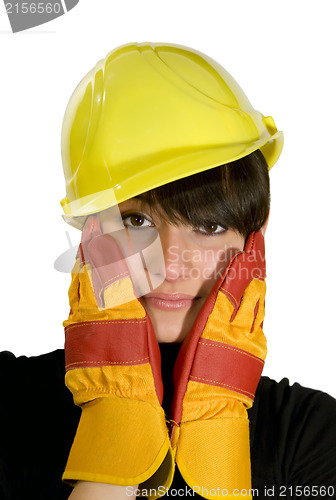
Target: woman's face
193	260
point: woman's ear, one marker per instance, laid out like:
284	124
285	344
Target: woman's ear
264	227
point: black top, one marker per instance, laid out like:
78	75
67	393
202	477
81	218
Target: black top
293	433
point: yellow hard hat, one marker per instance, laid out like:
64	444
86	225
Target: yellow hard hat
149	114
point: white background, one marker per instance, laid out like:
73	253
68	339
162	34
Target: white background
283	56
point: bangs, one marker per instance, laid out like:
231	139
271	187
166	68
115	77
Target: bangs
235	196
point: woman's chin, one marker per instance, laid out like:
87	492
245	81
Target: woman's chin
169	326
170	337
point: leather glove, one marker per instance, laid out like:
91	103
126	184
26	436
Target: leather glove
113	371
215	378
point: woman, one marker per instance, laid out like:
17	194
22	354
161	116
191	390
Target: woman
197	249
168	135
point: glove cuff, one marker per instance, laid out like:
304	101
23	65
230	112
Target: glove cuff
220	451
119	441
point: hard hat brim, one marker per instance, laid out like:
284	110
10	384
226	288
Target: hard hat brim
167	171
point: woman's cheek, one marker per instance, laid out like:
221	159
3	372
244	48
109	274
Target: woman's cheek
214	263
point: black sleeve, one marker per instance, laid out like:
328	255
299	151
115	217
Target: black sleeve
293	448
38	421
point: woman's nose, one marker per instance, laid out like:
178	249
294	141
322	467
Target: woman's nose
176	253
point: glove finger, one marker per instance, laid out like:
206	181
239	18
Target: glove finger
120	265
250	314
110	275
105	265
243	268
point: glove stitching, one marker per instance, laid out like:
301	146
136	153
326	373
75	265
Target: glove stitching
229	293
89	323
233	420
111	281
108	362
236	389
231	348
115	277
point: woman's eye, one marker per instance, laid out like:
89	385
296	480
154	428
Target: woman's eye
211	229
136	221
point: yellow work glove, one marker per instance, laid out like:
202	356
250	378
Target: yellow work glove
215	378
113	371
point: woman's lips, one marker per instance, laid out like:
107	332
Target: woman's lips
170	301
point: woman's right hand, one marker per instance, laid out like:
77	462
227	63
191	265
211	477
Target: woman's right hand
85	490
113	372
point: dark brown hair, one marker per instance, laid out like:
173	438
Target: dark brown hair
235	195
